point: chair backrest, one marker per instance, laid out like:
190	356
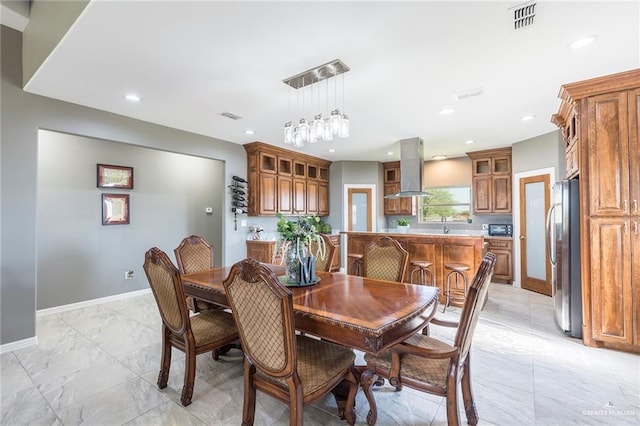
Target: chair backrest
324	260
476	296
166	286
385	259
263	310
194	254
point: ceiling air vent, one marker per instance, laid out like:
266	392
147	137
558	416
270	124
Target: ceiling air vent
523	15
231	115
466	94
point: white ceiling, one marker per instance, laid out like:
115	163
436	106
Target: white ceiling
191	61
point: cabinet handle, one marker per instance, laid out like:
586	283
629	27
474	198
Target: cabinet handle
634	203
635	228
624	205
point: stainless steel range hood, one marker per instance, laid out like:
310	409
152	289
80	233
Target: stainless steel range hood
411	166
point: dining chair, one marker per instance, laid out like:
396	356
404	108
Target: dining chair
385	259
324	262
431	365
195	254
196	334
295	369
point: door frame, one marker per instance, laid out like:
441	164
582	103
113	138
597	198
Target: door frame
551	171
345	213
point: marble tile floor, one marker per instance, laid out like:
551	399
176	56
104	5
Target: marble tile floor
99	365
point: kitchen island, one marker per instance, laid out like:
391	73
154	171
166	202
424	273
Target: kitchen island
437	248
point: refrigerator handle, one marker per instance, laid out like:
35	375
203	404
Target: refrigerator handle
549	237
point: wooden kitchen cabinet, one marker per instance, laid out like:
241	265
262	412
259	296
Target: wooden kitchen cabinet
263	251
502	247
491	181
335	239
605	133
287	182
395	206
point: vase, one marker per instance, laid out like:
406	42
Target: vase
295	254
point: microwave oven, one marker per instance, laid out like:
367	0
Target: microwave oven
500	230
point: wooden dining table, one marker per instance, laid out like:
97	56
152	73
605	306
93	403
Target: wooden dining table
361	313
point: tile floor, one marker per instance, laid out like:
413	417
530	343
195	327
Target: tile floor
98	366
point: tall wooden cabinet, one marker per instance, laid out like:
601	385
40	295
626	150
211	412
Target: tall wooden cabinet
491	181
606	112
395	206
287	182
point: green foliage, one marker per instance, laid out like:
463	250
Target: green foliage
403	221
303	229
438	196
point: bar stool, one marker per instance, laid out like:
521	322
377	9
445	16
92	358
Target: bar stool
420	268
355	264
454	294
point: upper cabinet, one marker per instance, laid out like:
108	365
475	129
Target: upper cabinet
393	206
491	184
287	182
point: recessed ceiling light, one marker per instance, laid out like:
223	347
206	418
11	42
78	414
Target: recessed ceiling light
390	153
469	142
445	111
584	41
439	157
332	150
527	117
248	132
132	97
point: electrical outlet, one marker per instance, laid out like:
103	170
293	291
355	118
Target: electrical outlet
485	226
128	275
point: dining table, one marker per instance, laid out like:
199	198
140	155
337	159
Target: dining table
353	311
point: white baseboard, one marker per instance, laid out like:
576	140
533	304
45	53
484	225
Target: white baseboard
19	344
92	302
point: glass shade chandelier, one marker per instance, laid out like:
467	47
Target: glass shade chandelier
301	131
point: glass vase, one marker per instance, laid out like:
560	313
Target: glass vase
295	253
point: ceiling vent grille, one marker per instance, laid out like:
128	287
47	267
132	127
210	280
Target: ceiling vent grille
523	15
466	94
231	115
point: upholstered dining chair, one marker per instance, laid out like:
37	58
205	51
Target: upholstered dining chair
195	254
294	369
200	333
431	365
385	259
324	263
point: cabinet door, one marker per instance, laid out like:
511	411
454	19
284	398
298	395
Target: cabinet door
299	196
323	199
501	194
482	194
611	286
391	205
268	194
285	191
335	266
608	142
503	270
634	153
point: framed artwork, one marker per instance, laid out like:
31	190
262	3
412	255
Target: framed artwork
115	209
115	176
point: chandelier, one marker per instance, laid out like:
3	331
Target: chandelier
320	128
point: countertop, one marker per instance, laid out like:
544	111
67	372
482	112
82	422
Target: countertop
427	232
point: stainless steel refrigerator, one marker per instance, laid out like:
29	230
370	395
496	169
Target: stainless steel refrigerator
563	249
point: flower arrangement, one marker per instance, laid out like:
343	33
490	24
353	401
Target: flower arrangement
299	233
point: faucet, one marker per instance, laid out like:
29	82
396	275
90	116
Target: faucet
445	229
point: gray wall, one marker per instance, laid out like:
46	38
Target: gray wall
23	115
75	258
540	152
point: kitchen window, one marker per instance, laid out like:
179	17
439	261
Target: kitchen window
445	204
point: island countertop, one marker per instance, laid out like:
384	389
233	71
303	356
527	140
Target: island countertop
438	248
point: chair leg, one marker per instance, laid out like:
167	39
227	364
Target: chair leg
165	359
452	402
189	375
367	379
249	404
467	395
296	406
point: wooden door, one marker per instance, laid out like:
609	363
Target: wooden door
299	194
360	209
285	193
535	269
501	194
312	197
323	198
482	194
268	194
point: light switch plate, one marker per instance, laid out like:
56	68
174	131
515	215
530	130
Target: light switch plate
208	210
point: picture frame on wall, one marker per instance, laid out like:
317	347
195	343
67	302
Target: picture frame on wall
115	209
110	176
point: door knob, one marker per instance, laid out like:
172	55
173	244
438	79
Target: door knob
522	237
